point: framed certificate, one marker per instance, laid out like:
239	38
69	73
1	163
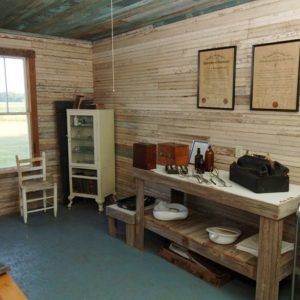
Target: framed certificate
216	78
275	76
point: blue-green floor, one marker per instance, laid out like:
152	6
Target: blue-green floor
73	257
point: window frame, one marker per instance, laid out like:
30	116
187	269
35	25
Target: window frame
29	56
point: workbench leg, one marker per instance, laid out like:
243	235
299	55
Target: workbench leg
269	259
139	221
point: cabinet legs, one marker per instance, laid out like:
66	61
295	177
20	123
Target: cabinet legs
70	198
100	201
100	207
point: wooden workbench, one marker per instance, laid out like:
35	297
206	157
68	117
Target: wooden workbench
270	266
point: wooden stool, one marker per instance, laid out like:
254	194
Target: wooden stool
114	213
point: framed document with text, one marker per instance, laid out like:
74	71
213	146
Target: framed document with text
275	76
216	78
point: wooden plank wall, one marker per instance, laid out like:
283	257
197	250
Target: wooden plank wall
63	67
156	86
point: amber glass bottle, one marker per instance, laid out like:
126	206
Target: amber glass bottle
209	159
199	162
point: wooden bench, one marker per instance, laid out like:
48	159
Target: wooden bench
116	213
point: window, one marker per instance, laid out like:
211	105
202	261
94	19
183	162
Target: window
18	117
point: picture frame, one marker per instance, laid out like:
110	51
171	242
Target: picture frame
216	78
275	76
203	145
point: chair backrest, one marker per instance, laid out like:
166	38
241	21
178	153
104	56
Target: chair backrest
31	168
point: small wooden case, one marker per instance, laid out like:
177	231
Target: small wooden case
173	154
144	156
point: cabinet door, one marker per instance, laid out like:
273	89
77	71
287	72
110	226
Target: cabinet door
82	139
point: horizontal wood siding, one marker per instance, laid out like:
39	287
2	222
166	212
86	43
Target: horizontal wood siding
63	67
156	88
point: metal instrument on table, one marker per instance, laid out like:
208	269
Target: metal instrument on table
201	178
215	178
182	171
206	181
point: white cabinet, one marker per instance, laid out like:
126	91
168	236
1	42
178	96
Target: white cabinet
91	150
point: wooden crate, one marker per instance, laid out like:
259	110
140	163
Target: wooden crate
144	156
173	154
203	268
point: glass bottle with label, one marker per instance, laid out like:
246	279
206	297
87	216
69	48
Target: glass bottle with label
209	159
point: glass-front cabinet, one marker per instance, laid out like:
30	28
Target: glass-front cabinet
82	138
91	154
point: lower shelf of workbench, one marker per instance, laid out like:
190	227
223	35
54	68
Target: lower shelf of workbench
191	233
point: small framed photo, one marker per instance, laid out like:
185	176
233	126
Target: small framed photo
275	76
216	78
203	145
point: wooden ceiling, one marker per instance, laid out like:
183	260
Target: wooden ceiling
91	19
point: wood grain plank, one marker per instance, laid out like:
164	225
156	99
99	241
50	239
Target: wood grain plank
268	269
192	234
63	68
139	235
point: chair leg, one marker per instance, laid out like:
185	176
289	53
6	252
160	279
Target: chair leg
24	200
55	199
45	200
20	203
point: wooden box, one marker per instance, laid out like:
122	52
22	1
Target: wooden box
173	154
144	156
256	184
199	266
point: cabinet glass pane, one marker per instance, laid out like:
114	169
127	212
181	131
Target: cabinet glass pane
82	139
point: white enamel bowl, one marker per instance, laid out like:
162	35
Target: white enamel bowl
170	211
223	235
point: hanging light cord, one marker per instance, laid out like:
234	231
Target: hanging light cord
112	44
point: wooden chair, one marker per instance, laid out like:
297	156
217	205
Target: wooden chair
33	186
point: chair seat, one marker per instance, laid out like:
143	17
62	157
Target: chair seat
37	186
